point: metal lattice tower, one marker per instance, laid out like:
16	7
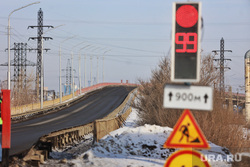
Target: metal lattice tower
221	63
20	64
39	38
68	77
39	49
20	58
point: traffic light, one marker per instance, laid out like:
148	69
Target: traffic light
186	42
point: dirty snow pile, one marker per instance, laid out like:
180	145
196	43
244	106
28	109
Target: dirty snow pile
136	146
128	146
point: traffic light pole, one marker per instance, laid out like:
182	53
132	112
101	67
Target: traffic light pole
6	127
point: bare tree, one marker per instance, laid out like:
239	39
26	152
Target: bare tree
23	91
217	125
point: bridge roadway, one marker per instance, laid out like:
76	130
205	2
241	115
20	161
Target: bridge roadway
94	105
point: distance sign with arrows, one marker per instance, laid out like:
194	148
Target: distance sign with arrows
184	96
188	98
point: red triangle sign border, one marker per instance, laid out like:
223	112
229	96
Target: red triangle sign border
168	143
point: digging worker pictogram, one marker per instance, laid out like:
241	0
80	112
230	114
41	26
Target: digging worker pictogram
185	132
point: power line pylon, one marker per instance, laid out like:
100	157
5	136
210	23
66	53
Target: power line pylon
68	78
222	66
39	38
20	64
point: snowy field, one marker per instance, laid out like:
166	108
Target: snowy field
129	146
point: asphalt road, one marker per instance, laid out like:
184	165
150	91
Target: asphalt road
94	106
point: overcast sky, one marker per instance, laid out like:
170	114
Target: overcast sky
137	33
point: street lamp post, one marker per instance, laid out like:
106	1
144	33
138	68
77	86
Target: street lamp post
80	82
97	75
42	75
5	151
72	57
8	76
90	67
79	74
42	67
103	64
98	66
90	70
91	82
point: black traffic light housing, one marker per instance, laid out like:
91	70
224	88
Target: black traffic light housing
186	42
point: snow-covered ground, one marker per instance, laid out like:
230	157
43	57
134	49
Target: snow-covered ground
129	146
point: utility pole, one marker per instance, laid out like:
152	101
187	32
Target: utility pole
103	64
42	76
91	59
79	74
97	70
85	72
72	58
90	70
222	66
72	73
80	84
39	50
103	68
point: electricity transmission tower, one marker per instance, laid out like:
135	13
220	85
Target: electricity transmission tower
221	63
20	64
68	77
39	39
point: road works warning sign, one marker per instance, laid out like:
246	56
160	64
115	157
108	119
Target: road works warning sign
186	158
186	134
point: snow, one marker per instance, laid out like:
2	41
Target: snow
129	146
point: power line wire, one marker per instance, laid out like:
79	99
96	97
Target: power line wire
125	22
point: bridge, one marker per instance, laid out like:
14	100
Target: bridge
236	100
104	100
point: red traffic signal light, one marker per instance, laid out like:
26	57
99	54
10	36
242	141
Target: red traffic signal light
186	42
186	16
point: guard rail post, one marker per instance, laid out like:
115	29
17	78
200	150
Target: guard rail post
94	133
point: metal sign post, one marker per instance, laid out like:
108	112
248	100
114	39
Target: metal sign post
6	127
185	68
